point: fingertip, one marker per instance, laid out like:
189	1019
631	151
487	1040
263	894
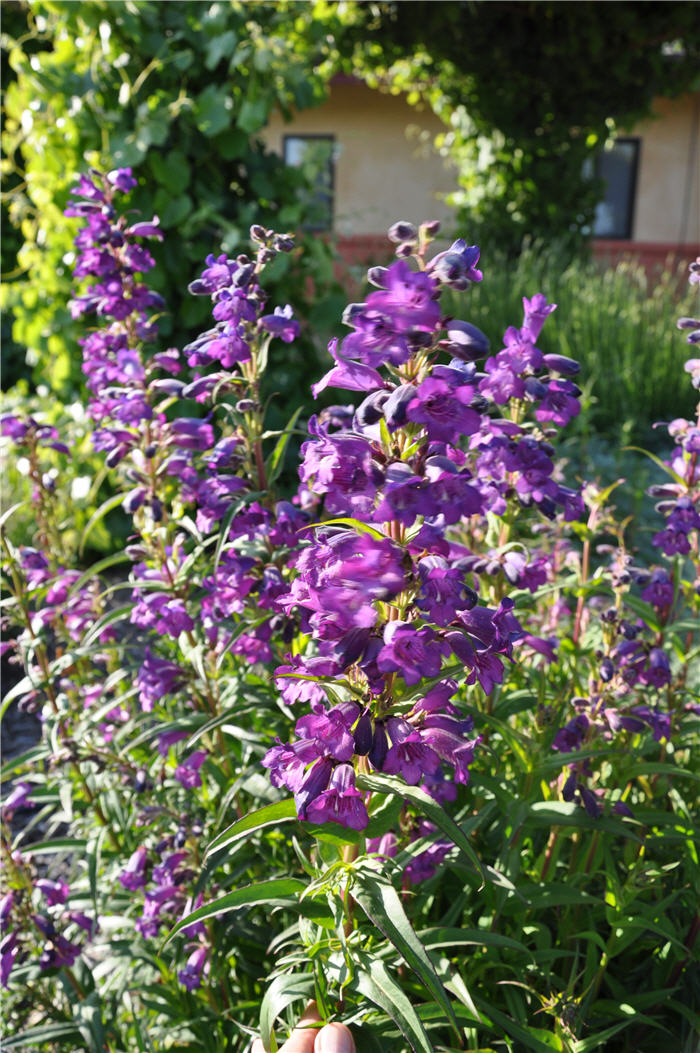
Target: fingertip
257	1046
334	1038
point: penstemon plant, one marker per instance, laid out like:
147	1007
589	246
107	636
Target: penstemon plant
396	745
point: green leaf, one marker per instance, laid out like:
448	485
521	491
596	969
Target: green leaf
43	1034
271	815
213	110
220	46
658	462
275	461
380	902
532	1038
291	987
275	890
429	807
356	524
375	983
450	937
107	619
106	506
253	115
97	568
57	844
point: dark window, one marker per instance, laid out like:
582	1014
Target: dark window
617	167
315	155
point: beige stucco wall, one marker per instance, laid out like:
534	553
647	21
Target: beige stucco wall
668	183
386	167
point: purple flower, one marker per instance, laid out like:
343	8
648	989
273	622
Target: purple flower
281	324
412	653
457	266
9	949
156	678
659	591
19	798
571	737
120	178
191	976
407	299
408	755
53	891
340	803
312	785
536	311
352	376
444	410
133	875
330	731
187	773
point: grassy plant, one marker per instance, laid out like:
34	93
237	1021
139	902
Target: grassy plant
618	323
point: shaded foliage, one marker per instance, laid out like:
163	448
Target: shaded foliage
529	91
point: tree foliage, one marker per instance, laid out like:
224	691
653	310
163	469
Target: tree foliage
529	91
179	92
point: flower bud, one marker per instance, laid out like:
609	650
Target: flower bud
380	747
245	405
377	276
465	341
364	736
371	410
283	243
257	233
402	231
396	405
561	364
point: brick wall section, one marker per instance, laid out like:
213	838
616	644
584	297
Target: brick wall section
653	255
364	250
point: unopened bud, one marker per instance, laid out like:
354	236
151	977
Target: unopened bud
402	231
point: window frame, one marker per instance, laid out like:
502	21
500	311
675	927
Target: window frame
636	142
317	136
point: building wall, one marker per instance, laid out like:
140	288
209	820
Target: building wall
667	207
387	167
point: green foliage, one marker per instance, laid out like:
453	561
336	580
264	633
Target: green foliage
179	92
614	321
528	92
81	481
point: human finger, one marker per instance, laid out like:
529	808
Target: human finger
334	1038
302	1037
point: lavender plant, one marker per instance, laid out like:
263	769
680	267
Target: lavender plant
396	745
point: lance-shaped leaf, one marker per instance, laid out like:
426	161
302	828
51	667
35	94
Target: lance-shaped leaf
374	981
278	891
291	987
391	784
271	815
380	902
